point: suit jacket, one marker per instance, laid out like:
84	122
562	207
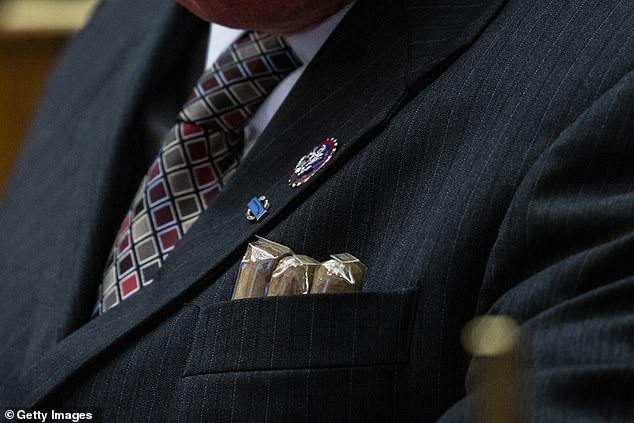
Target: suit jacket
484	167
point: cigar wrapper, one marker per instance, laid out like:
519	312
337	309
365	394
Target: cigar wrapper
293	276
256	268
343	273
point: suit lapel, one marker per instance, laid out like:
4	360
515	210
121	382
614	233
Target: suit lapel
108	151
98	146
363	74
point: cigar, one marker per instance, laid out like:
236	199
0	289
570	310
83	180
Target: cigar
343	273
293	276
256	268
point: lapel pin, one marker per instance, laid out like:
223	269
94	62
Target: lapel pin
312	162
257	208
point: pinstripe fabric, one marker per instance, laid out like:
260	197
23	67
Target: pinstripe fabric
502	184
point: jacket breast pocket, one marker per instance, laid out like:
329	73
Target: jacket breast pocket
303	332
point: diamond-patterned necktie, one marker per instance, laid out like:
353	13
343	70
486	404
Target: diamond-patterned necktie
202	149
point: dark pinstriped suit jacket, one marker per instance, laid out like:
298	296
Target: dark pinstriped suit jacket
485	167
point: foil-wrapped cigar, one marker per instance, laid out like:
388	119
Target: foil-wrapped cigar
344	273
257	266
292	276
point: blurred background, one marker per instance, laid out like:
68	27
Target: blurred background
32	35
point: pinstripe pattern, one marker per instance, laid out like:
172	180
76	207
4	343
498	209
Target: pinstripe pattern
501	184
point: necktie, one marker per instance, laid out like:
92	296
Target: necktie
198	155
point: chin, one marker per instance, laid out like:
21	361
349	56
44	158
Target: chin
274	16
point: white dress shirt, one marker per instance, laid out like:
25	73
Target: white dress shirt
304	45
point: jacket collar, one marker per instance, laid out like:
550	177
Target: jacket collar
381	54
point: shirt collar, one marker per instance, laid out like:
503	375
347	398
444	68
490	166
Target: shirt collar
304	45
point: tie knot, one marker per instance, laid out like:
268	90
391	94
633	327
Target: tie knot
231	91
